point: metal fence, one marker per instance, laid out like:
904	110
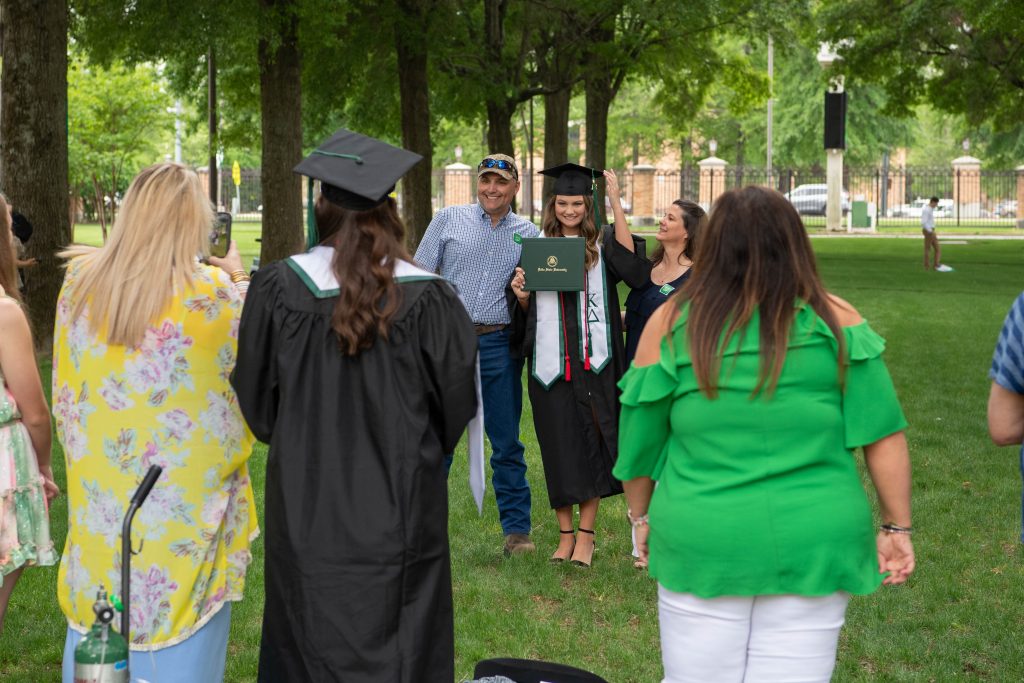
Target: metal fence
895	196
249	193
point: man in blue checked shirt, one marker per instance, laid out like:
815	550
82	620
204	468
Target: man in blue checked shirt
476	247
1006	398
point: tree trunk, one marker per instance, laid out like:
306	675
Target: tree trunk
599	98
499	128
411	51
213	177
556	133
34	142
499	111
113	197
281	126
101	208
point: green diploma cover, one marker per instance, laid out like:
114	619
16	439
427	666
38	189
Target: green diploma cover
553	263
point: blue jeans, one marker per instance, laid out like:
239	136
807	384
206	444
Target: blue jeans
501	381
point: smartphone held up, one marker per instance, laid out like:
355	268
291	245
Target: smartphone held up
220	235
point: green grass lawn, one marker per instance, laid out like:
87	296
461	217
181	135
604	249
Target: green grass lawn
957	619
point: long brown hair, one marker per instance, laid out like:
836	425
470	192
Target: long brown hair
695	219
8	271
588	229
753	255
367	245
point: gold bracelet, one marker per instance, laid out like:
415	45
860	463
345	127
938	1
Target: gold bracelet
239	276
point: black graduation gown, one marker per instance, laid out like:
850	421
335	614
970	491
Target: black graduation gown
577	422
358	576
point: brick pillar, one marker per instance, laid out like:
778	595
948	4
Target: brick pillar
1020	197
643	195
458	186
712	180
966	187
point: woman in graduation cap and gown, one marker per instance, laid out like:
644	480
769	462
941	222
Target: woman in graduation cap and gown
573	343
358	369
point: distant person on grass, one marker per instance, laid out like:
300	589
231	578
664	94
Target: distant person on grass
144	340
358	368
931	241
26	480
574	343
21	231
1006	397
476	247
748	395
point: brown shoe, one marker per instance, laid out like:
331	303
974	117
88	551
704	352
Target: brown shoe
516	544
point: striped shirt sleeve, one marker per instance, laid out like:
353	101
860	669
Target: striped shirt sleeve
1008	360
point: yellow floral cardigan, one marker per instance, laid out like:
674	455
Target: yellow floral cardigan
167	402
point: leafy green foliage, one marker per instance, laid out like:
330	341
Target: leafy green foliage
737	120
962	56
180	36
117	123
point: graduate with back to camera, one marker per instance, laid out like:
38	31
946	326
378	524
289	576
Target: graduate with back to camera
573	341
358	369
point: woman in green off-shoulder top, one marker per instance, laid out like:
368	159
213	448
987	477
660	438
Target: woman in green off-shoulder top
748	395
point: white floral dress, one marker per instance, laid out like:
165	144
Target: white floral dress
168	402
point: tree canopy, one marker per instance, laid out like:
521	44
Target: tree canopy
961	56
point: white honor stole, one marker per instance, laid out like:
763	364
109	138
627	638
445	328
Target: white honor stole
550	356
314	269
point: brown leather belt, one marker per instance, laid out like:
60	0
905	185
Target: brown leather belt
487	329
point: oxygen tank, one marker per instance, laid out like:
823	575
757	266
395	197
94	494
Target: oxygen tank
102	654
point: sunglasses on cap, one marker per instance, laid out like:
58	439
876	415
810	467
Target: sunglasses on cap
501	164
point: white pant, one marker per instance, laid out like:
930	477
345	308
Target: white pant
765	638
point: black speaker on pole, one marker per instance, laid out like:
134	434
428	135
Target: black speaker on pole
835	120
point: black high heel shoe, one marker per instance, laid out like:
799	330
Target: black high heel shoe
554	558
589	560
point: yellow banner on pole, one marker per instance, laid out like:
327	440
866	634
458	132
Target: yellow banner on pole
236	173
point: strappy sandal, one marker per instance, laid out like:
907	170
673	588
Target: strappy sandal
554	558
590	560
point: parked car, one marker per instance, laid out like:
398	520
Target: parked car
945	209
1007	209
810	200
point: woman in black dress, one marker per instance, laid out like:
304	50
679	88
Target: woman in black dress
677	236
573	341
358	369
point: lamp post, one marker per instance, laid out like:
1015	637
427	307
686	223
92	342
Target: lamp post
771	103
177	111
835	139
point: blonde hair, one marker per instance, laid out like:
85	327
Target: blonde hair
160	230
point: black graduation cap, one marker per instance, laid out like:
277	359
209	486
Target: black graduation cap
572	179
355	171
532	671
